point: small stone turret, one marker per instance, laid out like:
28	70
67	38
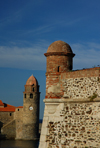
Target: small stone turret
59	60
59	57
31	109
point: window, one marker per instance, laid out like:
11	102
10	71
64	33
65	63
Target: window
10	114
18	109
31	95
70	67
58	69
25	95
33	88
37	88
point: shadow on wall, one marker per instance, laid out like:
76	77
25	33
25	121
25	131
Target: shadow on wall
2	136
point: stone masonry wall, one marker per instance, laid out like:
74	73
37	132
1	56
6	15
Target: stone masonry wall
71	118
71	125
83	87
7	121
64	62
53	86
31	117
80	83
19	122
6	117
9	130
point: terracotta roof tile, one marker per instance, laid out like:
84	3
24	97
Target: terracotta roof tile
7	109
1	103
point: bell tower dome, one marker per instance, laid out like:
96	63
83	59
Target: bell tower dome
31	109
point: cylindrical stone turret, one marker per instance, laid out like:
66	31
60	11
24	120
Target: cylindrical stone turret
59	59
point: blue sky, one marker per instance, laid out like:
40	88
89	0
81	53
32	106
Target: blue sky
28	27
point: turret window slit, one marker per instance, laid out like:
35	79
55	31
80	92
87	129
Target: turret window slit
58	68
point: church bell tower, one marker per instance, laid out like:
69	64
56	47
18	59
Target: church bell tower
31	109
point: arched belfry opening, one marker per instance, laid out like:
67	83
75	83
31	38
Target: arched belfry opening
31	95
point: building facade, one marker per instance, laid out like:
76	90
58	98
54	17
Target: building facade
22	122
72	102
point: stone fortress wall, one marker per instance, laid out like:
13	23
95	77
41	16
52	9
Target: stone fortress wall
72	105
81	83
71	125
74	120
74	84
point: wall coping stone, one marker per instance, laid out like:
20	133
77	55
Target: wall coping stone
62	100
